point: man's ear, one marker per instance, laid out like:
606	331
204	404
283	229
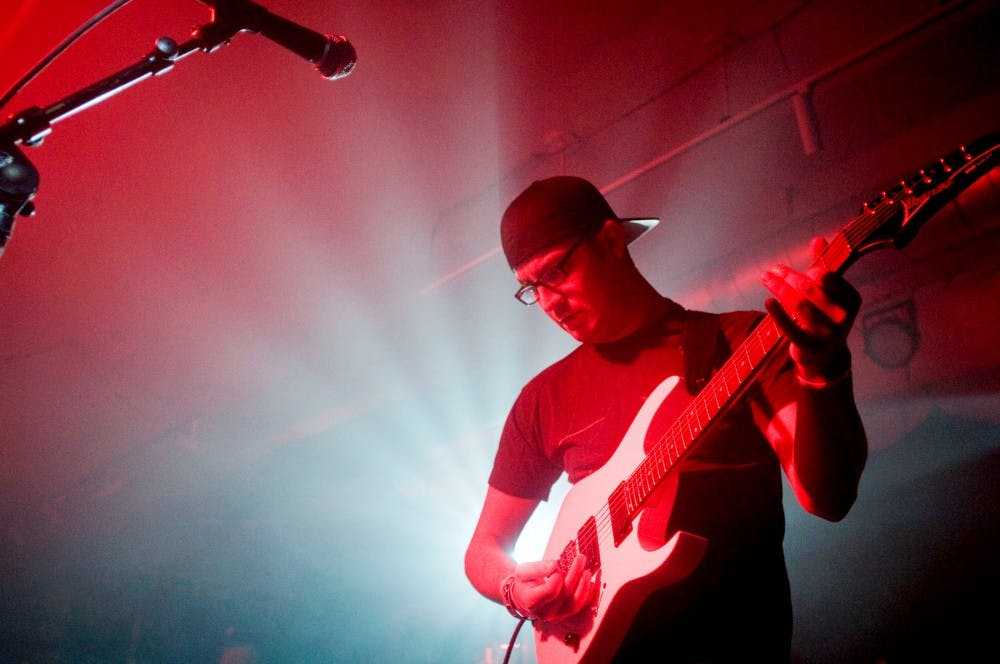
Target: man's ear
612	238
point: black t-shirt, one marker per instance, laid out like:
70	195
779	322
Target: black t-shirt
571	417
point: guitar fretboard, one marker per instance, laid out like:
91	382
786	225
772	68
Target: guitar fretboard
727	384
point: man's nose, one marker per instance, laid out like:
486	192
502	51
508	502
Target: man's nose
550	299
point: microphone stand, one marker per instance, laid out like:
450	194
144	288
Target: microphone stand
19	177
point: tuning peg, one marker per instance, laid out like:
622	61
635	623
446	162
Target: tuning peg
926	179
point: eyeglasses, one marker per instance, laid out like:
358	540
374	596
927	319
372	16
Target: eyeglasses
553	275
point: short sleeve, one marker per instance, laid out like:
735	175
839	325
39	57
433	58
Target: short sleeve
521	467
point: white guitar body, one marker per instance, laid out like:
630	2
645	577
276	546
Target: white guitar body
629	571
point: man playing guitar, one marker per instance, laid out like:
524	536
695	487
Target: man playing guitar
721	594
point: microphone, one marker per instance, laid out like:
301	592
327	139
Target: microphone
333	56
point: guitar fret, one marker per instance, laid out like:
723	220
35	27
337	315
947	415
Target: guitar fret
765	345
730	382
721	389
768	333
761	348
662	464
704	415
837	253
742	364
695	424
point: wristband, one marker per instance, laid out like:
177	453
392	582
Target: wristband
507	595
822	383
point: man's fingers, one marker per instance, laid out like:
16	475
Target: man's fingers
538	569
789	326
815	302
817	246
575	572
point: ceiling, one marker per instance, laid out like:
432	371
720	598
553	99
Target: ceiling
258	339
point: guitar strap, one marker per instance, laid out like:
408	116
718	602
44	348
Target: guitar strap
701	335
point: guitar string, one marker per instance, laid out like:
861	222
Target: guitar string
672	445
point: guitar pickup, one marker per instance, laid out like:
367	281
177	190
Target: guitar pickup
586	538
621	515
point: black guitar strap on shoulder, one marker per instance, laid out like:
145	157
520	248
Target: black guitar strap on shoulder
701	336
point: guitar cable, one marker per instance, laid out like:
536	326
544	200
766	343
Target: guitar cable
513	638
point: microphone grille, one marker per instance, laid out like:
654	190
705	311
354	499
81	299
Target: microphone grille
338	59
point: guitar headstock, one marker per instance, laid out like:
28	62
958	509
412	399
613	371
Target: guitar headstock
894	218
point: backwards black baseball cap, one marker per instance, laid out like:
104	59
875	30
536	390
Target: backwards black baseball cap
554	209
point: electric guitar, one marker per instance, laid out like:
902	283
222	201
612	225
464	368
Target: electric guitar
617	516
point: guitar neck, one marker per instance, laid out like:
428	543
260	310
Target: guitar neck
739	371
724	388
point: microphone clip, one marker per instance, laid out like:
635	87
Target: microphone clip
18	185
